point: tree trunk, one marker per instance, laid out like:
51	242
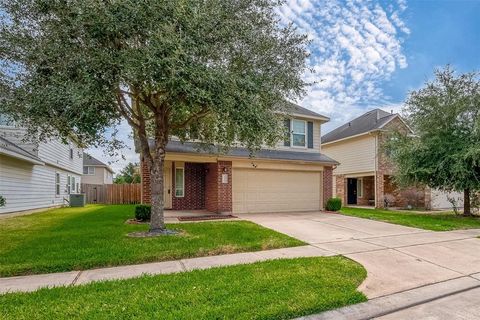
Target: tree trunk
157	223
466	203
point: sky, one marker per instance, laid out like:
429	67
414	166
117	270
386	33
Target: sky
369	54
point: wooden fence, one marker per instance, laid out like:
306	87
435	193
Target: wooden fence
112	193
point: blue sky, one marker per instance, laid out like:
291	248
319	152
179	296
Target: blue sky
370	54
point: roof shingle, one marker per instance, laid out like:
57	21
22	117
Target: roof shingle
371	120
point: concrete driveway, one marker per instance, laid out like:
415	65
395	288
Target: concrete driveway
397	258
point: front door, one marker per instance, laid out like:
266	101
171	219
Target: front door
167	187
351	191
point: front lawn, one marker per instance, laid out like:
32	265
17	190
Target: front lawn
96	236
277	289
436	221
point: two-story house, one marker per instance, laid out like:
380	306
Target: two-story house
293	176
35	175
365	175
95	171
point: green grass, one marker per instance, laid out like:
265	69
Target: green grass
96	236
277	289
443	221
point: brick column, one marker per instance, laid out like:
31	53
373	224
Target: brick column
218	195
327	184
341	190
145	180
379	189
224	189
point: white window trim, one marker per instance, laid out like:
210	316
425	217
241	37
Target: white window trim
183	182
360	187
292	132
88	171
58	184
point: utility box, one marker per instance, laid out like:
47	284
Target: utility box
77	200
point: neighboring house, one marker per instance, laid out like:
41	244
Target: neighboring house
36	175
364	175
294	176
95	171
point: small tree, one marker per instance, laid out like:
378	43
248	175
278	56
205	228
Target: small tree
129	174
445	151
212	70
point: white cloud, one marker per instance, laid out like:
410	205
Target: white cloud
356	46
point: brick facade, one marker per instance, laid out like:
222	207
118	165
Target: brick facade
218	194
327	184
340	184
194	195
368	191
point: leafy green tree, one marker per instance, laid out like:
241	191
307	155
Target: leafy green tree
213	70
129	174
445	151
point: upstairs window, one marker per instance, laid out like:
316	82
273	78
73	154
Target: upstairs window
88	170
299	133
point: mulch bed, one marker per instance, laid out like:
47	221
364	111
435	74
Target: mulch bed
135	221
206	217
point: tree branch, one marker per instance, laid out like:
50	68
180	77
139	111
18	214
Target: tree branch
197	116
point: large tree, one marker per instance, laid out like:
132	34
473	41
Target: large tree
213	70
444	153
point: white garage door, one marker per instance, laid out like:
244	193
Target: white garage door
257	190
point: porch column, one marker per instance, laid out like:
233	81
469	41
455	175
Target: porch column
218	185
379	189
340	182
327	184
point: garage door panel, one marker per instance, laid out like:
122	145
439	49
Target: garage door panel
257	190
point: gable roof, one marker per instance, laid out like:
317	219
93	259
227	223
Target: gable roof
11	149
369	121
295	109
88	160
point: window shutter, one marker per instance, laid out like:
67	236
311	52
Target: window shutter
310	134
288	130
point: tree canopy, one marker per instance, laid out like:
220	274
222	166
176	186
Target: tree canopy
213	70
129	174
444	153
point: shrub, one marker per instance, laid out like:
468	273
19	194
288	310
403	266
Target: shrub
2	201
334	204
143	212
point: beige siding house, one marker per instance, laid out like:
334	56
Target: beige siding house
95	171
35	175
364	175
293	176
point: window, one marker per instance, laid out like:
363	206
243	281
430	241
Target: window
360	188
89	170
71	153
57	184
299	133
68	184
72	184
179	182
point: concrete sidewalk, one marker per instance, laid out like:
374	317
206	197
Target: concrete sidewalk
35	282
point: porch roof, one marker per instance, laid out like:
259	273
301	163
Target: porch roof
239	152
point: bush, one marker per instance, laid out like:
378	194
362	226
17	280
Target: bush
143	212
2	201
334	204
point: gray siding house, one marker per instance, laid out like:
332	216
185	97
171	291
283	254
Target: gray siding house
36	175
